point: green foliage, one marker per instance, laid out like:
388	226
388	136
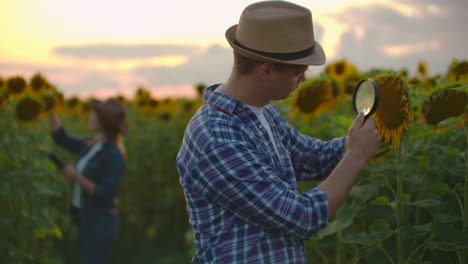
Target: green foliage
406	207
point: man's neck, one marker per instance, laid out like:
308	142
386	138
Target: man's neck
244	89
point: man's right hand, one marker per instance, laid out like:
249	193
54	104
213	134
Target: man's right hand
363	140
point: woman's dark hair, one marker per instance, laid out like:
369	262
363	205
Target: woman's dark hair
111	115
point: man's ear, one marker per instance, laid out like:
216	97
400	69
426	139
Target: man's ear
265	71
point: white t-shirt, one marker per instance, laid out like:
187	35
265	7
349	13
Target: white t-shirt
259	113
76	202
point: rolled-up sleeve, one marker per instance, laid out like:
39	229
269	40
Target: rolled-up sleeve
235	176
70	143
311	157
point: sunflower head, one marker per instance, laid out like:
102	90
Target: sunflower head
153	104
351	81
340	69
422	68
200	87
49	102
393	113
72	104
444	103
142	93
122	99
86	106
315	95
16	85
458	71
414	82
2	100
2	84
38	83
28	109
165	116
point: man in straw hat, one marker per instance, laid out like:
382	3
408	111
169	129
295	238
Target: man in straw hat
240	160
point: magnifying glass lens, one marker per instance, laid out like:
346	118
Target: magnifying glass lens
366	97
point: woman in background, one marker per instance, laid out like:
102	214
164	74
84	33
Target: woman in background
97	176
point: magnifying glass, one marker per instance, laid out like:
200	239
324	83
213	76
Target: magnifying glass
366	97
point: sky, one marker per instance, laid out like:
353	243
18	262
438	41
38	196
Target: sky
102	48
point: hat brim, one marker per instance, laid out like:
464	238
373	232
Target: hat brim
316	58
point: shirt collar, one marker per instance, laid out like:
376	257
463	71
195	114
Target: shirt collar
219	100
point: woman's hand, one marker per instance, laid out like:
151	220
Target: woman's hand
54	121
70	172
73	174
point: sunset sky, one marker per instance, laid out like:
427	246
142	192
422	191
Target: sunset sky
102	47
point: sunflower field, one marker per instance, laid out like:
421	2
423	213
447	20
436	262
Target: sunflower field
409	205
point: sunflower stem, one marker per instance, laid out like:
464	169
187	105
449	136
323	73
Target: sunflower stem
339	253
465	214
399	209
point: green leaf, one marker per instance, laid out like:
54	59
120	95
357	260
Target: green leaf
343	219
440	189
424	162
423	203
409	232
453	153
344	121
379	231
421	132
381	201
364	192
447	238
450	121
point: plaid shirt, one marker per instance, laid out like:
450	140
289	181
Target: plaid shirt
242	198
104	169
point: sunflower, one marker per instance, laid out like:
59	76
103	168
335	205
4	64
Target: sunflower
443	104
422	68
165	116
340	69
142	104
28	109
142	93
49	102
393	112
38	83
2	100
72	104
153	104
3	85
122	99
414	82
351	81
458	71
200	87
314	96
16	85
169	105
86	106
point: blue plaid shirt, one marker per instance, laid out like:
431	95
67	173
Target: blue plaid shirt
242	198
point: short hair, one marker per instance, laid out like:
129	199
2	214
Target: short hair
244	65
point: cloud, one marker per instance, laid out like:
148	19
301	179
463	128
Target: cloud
212	65
394	35
122	51
387	37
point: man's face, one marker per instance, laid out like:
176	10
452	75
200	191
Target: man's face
286	80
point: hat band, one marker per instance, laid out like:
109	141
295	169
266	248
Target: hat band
278	55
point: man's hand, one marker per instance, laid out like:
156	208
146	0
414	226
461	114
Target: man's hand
363	140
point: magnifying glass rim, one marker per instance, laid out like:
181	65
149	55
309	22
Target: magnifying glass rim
376	97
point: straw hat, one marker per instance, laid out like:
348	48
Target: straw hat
278	32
